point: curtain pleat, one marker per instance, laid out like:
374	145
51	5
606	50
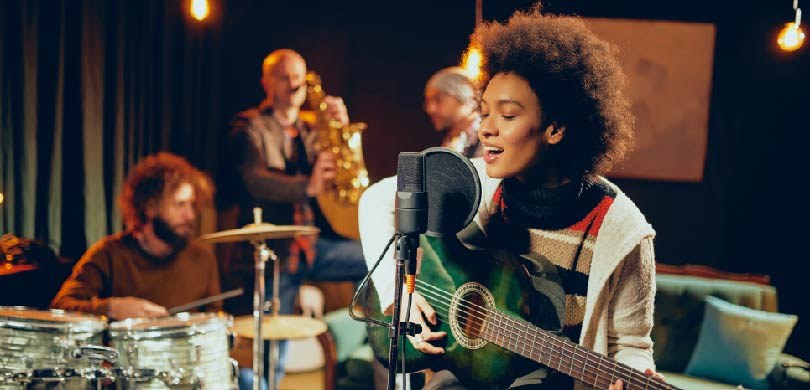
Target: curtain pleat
55	193
92	74
88	88
26	196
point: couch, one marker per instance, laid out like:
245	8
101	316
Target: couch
679	310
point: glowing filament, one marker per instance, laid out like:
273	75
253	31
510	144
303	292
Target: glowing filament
791	37
472	63
199	9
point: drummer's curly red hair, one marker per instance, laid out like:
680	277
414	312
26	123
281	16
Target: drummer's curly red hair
155	176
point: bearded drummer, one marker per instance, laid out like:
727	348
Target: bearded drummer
154	264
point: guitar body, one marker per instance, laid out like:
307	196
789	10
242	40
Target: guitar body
463	285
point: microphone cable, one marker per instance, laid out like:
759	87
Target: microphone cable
364	285
374	322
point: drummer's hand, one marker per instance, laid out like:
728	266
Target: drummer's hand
131	307
421	310
336	109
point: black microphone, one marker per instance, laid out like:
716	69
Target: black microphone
411	211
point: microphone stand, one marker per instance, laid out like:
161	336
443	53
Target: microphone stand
405	250
410	219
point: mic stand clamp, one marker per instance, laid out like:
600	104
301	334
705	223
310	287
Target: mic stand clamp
406	328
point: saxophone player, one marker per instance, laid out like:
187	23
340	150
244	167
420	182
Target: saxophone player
280	171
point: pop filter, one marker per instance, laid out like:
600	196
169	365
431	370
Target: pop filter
453	189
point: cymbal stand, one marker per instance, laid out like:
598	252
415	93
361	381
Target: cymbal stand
262	253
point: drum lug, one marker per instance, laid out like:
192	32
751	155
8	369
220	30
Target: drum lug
175	375
96	355
234	374
21	378
198	354
132	352
198	379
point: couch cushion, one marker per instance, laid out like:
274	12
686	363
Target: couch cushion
679	308
738	344
348	334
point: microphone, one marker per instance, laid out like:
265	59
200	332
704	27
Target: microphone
411	211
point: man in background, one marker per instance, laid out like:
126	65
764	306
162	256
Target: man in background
450	103
273	152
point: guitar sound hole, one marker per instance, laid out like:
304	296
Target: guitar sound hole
472	315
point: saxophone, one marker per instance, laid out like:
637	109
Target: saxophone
339	202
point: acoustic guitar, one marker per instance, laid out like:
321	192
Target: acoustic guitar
496	323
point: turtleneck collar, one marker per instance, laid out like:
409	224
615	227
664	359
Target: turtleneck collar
537	207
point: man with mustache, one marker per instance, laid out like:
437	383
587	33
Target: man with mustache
152	265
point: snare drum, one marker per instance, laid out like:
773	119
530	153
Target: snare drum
37	346
187	350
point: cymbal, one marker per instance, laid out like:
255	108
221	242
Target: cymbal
263	231
280	327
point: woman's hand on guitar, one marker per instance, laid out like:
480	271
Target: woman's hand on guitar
619	385
421	310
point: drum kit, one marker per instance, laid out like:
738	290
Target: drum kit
56	349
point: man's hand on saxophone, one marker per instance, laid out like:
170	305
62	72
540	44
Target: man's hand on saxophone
336	109
322	173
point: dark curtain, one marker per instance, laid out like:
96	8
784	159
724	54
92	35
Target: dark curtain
88	88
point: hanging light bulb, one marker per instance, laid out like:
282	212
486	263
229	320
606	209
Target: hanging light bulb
472	63
792	37
199	9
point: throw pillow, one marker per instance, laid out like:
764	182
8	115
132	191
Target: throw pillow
739	345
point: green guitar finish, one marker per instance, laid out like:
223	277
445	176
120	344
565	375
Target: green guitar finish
447	265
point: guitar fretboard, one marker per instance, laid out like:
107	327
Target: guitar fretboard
560	354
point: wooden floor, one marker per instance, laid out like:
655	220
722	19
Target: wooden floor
311	380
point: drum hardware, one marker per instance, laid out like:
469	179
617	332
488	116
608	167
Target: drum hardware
95	354
198	353
13	378
256	233
131	374
95	357
177	375
52	375
235	373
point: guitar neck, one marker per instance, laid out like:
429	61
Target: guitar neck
560	354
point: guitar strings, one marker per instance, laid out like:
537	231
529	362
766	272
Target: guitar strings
463	321
632	375
577	350
617	366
